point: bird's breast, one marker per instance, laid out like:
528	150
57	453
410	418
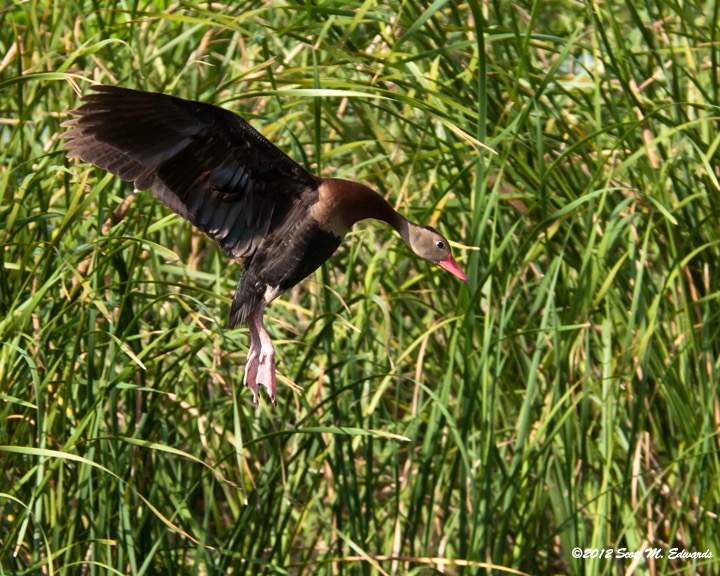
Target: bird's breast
330	214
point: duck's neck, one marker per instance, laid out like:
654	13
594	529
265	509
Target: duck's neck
343	203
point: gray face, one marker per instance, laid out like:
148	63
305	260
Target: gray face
429	244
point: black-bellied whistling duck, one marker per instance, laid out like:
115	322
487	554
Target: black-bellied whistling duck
211	167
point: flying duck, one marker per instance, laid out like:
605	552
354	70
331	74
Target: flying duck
267	212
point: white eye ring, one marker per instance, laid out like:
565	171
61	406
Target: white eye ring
440	245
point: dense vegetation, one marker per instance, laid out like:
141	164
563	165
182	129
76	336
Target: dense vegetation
569	399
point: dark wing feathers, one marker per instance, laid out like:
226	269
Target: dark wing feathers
205	163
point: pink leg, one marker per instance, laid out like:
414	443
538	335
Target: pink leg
260	367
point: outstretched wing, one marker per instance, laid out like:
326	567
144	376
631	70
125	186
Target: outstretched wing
205	163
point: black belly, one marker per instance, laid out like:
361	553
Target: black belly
283	259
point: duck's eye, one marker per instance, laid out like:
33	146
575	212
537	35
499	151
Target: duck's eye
440	245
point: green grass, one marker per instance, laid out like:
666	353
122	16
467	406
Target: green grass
569	399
